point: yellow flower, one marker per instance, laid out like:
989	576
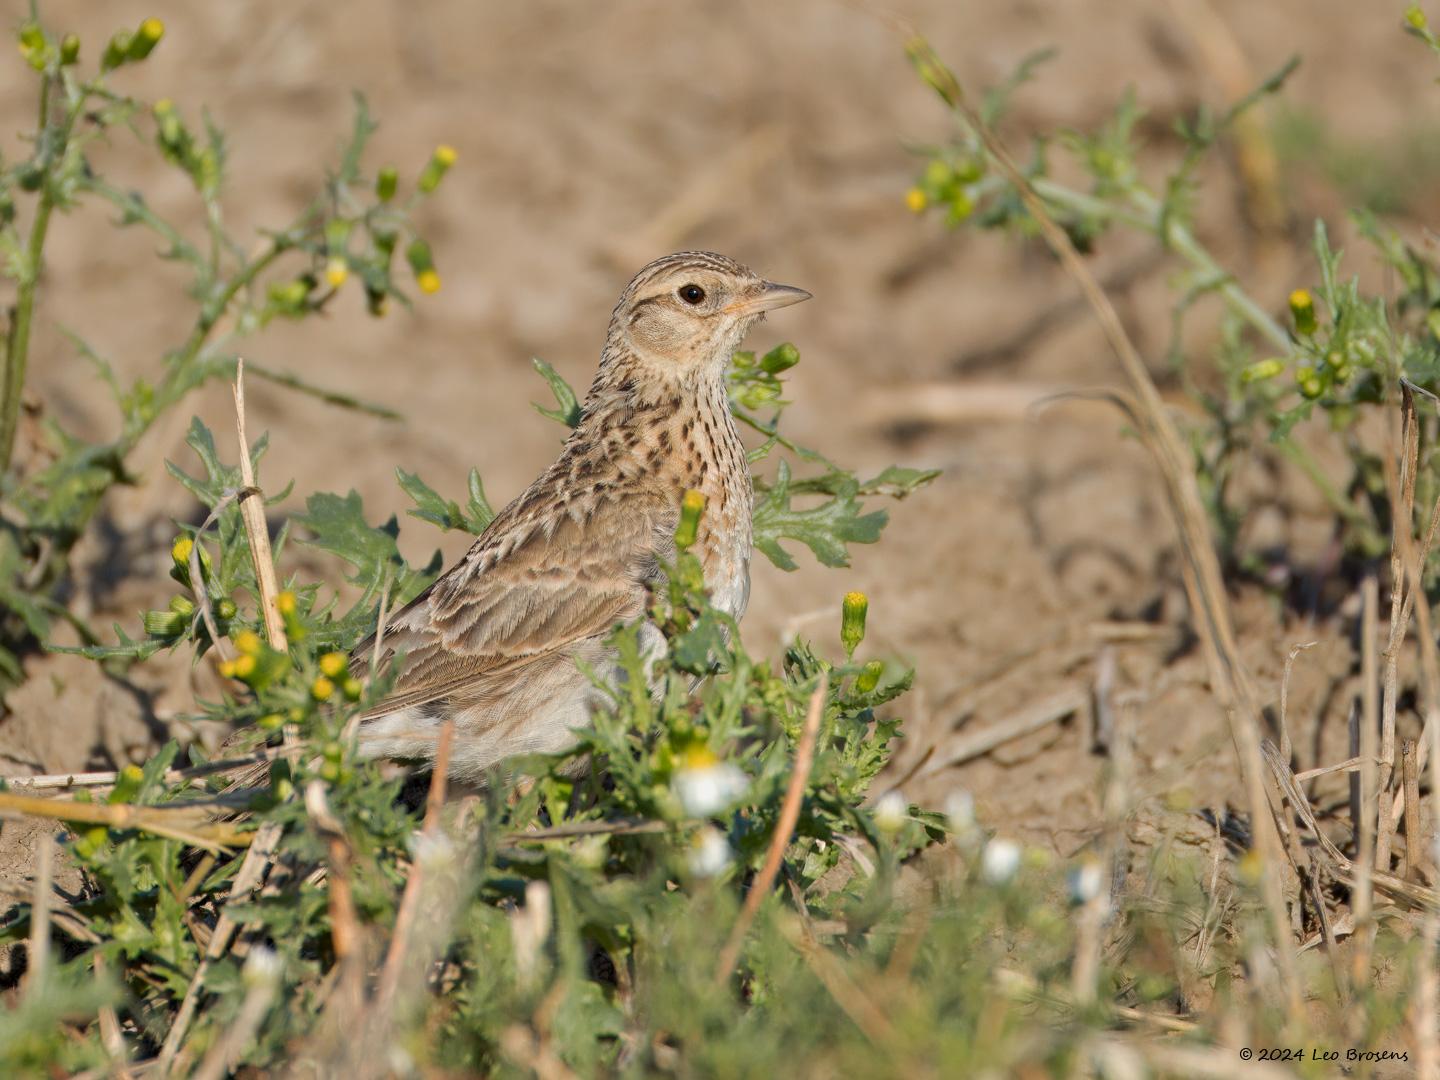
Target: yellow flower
227	668
336	272
429	281
244	667
333	664
180	550
285	603
248	642
915	200
445	155
322	688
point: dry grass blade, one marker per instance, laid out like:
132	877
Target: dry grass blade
784	829
1410	773
39	946
252	512
1204	584
855	1002
160	820
968	745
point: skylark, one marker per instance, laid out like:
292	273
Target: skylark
493	644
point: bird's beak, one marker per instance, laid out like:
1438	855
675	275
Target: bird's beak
769	297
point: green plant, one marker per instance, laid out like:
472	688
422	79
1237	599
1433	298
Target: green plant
50	493
1340	350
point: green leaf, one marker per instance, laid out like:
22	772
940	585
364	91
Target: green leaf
429	504
568	411
478	506
826	529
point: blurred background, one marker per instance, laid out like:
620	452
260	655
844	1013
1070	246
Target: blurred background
595	137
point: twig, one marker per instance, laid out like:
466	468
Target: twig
613	827
65	781
969	745
267	838
154	819
784	829
1348	765
1410	774
39	948
344	923
854	1002
252	512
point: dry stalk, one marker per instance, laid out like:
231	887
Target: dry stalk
968	745
39	945
784	829
1410	773
67	781
266	839
854	1002
252	512
164	821
1286	746
1204	584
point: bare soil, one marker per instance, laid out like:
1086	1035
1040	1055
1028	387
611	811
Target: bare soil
594	137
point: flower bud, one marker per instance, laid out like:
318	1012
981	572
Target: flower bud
385	184
144	40
69	49
243	666
915	200
163	624
436	168
336	271
180	552
852	620
352	689
226	609
116	51
127	785
869	677
285	603
322	689
334	664
1262	370
418	255
182	605
1302	309
271	722
33	46
692	507
781	358
1416	18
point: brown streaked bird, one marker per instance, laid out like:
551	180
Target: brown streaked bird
494	643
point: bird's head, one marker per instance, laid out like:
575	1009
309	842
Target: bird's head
687	313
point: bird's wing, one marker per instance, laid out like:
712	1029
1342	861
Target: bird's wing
532	585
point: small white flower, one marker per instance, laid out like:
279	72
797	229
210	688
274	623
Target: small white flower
891	812
999	861
707	789
960	811
709	853
262	967
1086	881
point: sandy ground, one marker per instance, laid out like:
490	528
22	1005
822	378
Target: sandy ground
595	137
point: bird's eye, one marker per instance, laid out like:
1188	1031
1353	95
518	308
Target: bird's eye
692	294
